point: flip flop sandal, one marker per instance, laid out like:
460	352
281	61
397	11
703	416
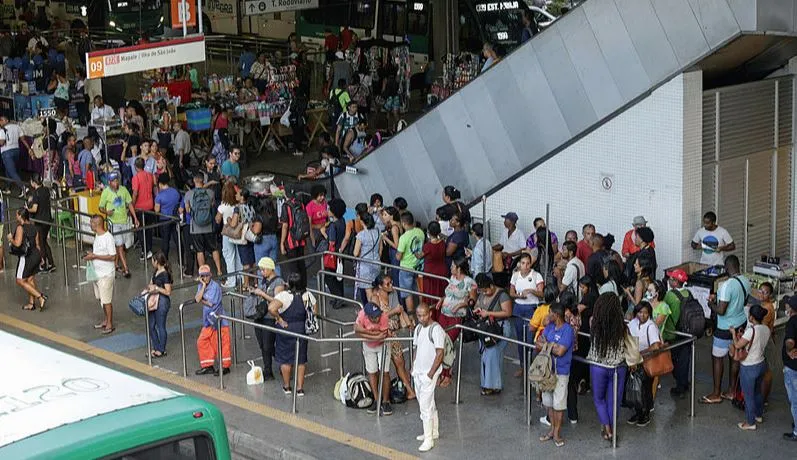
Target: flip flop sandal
99	326
559	442
706	400
726	397
29	307
546	438
108	331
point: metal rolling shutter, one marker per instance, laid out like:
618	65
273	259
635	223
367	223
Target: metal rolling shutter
731	207
783	201
747	119
759	208
709	150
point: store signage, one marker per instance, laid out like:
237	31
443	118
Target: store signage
418	6
219	6
183	9
496	6
48	112
139	58
252	7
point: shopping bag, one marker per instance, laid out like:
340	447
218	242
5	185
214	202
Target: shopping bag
138	305
255	374
285	119
91	273
633	389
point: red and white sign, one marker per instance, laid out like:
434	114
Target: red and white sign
180	8
139	58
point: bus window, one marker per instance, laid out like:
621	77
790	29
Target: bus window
339	13
199	447
418	19
363	17
394	17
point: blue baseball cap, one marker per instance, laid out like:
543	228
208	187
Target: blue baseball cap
511	216
113	176
372	310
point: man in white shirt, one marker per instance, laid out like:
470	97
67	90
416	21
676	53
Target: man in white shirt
573	271
512	240
10	135
712	240
103	259
101	112
181	142
429	341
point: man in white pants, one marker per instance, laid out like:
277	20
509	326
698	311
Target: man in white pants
429	341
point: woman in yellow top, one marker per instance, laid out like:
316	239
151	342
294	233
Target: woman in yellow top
540	318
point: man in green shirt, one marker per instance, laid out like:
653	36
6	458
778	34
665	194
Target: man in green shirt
410	243
681	356
116	203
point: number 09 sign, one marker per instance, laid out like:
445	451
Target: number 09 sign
140	58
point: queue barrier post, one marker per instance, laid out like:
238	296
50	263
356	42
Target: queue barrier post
149	339
219	354
381	381
295	372
459	369
615	409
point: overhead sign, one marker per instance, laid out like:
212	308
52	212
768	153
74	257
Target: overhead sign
496	6
139	58
252	7
180	9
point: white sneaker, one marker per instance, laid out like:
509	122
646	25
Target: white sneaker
426	446
544	420
298	153
420	437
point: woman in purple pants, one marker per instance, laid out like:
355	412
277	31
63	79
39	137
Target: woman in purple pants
607	347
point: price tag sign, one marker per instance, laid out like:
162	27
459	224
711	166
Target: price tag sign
48	112
96	66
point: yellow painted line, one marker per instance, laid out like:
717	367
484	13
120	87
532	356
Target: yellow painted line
277	415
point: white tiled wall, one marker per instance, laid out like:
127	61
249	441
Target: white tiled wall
641	153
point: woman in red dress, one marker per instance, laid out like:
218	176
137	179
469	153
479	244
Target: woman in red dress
434	252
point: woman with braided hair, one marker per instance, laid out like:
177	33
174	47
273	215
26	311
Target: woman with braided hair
607	347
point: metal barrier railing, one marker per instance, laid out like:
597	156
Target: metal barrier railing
299	337
235	295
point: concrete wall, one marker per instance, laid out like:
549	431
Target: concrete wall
645	161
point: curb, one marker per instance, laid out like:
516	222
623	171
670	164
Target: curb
244	446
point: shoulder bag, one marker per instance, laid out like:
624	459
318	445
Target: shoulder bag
632	355
233	232
740	354
657	363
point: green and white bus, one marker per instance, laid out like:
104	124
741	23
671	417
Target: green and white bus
56	406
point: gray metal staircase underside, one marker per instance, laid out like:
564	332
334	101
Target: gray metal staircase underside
586	68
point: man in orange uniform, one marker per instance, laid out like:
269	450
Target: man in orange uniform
209	295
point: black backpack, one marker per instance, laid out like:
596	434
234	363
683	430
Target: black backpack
298	221
692	320
333	105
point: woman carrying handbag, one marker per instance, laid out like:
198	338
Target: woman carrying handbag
748	348
646	331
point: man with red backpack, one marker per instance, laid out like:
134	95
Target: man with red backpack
295	229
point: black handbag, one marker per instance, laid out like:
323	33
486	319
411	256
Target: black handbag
488	325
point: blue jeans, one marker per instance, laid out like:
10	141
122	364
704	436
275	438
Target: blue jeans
603	391
521	314
750	377
10	158
233	263
157	324
268	248
790	380
409	281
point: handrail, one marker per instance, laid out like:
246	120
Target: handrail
299	337
382	264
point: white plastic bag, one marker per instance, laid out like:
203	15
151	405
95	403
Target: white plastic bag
285	119
255	374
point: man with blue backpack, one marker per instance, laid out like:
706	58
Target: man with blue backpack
200	203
